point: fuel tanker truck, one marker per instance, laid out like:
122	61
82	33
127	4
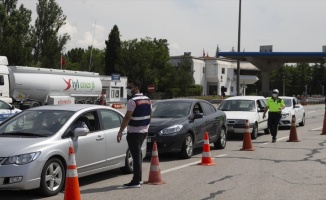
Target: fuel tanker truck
26	87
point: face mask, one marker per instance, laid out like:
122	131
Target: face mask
274	95
129	93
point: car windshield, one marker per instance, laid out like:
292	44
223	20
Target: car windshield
40	123
237	105
171	109
288	102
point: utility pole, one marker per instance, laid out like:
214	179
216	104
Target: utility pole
238	61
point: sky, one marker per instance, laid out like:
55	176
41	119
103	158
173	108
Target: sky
197	25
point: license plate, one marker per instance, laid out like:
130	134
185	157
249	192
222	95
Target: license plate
149	139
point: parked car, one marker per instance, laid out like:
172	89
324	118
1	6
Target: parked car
238	109
7	110
292	107
34	145
179	126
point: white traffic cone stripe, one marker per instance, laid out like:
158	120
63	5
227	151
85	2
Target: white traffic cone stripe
206	154
206	142
71	160
155	168
72	173
154	153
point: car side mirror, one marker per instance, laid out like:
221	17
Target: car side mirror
261	109
198	115
297	106
79	132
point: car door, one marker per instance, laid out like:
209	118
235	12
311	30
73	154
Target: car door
110	124
90	149
260	106
212	123
199	124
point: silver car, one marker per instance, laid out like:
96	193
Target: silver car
34	145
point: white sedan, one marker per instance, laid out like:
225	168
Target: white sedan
292	107
238	109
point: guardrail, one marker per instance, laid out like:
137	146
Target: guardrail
313	101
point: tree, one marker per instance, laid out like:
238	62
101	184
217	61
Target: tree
184	74
97	63
48	45
112	51
15	34
217	51
145	60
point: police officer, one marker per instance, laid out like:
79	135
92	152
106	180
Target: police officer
275	105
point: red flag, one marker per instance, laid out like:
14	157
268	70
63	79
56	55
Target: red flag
63	62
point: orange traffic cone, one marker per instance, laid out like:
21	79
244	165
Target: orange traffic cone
247	144
155	172
293	131
324	126
206	159
72	185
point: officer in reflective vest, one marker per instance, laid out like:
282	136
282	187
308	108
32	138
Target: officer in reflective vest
275	105
137	119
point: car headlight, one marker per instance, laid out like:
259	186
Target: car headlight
240	121
21	159
286	114
171	130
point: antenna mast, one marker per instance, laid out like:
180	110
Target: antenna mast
90	58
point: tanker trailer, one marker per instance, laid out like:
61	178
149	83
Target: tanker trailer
31	86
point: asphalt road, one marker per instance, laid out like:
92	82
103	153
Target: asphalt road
273	171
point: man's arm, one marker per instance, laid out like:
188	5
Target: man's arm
124	124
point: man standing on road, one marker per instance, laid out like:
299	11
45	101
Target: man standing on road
137	119
275	106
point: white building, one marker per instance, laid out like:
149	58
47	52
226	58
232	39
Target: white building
213	73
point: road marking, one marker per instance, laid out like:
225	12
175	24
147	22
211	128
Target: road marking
186	165
317	129
283	138
311	111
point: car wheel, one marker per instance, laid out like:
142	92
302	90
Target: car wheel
266	131
302	123
221	141
52	177
254	133
128	168
187	149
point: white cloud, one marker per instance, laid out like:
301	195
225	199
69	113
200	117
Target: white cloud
193	25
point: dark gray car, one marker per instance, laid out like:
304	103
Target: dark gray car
179	125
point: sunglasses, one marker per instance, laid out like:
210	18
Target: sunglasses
275	93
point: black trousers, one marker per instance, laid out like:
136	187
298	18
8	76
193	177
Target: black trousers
273	121
135	141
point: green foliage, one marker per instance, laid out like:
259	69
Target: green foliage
15	41
147	61
113	51
48	45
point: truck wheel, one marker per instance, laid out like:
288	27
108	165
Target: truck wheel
35	104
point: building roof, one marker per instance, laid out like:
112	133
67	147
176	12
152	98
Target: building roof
278	57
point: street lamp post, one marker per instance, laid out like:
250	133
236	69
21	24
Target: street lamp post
238	61
283	85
